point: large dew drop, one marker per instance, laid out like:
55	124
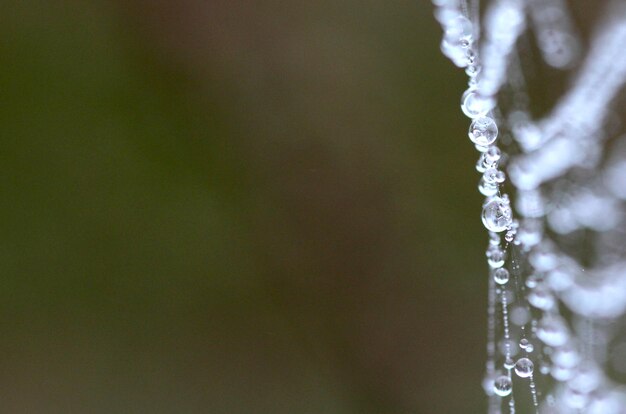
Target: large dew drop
475	106
524	367
501	276
483	131
497	215
502	386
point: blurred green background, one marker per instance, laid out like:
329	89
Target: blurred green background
236	207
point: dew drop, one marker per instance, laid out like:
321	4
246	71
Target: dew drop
553	331
488	384
493	154
541	298
519	315
490	175
509	363
459	30
497	215
502	386
474	105
486	188
483	131
509	236
524	367
501	276
495	257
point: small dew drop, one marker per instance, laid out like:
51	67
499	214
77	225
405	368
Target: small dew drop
475	106
486	188
509	236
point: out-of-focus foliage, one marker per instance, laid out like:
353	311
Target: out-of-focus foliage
235	207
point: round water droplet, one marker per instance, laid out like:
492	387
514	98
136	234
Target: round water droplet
531	281
493	154
488	382
519	315
523	343
502	386
543	258
454	52
446	13
509	363
459	30
508	347
501	276
495	257
483	131
472	70
509	236
486	188
497	215
553	331
524	367
566	356
530	232
490	175
541	298
474	105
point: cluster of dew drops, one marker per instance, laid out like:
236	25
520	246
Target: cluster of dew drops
497	216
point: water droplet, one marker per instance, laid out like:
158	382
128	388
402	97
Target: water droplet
446	13
531	281
486	188
509	236
566	356
508	347
493	154
501	276
530	232
474	105
491	175
497	215
587	379
509	363
495	257
483	131
553	331
472	70
488	384
541	298
459	30
454	52
543	258
519	315
524	367
502	386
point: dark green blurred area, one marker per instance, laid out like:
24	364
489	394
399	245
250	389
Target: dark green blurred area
235	207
